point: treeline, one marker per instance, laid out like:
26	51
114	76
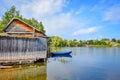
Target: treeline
12	12
56	41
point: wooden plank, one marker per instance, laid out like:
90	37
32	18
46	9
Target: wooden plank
12	48
20	32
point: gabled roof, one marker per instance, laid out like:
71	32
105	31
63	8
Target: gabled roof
23	23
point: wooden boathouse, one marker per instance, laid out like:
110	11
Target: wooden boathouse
22	43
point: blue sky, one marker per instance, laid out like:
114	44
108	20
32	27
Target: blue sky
72	19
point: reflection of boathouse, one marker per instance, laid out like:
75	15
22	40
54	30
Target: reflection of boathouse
22	42
22	72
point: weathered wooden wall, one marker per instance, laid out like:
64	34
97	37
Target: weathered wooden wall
12	48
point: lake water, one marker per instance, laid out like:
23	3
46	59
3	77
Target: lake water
92	63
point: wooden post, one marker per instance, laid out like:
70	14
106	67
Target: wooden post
33	32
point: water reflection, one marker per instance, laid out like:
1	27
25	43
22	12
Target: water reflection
83	64
25	72
86	64
62	58
55	49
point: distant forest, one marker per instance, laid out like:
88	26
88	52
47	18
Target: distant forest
12	12
56	41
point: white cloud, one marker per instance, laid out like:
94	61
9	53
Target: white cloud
86	30
58	24
80	10
112	14
107	10
40	8
50	12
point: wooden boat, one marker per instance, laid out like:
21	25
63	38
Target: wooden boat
57	56
61	53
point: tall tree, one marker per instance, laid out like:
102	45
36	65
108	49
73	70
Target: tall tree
1	27
41	27
56	41
9	14
113	40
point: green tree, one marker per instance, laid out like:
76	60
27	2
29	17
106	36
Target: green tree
56	41
9	14
105	39
1	27
90	42
71	43
103	43
81	43
113	40
118	41
64	43
41	27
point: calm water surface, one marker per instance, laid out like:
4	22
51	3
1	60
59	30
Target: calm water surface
83	64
